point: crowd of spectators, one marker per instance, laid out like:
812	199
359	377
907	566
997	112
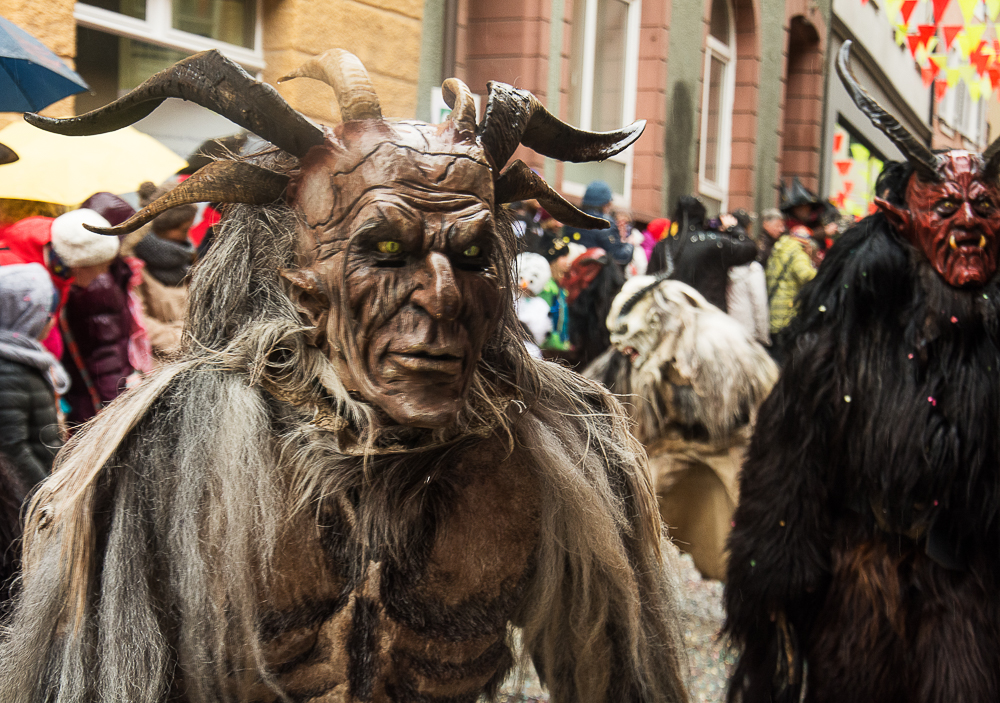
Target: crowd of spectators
750	267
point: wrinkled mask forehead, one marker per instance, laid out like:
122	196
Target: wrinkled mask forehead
425	168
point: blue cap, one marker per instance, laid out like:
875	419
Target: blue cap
598	194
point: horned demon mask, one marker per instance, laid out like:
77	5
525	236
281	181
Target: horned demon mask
398	253
952	202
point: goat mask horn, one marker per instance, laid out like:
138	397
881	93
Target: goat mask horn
344	72
7	155
516	117
212	81
459	98
218	182
921	157
518	182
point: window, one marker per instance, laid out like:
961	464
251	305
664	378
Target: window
717	105
121	43
602	90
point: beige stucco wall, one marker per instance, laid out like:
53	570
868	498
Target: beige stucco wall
384	34
51	22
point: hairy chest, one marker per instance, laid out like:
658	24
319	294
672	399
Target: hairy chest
349	619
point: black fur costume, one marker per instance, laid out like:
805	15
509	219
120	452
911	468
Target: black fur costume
867	530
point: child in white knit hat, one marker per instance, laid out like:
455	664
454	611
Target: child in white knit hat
96	320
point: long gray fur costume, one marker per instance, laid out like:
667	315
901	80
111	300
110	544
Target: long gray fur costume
241	528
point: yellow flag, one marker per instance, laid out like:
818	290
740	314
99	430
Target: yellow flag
952	76
992	9
940	60
901	32
974	91
969	38
968	7
892	9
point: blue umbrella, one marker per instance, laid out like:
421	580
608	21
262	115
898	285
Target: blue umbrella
31	76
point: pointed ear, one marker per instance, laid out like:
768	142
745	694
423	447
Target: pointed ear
308	293
898	216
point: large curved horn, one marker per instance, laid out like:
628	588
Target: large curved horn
219	182
210	80
344	72
7	155
459	98
519	182
921	157
516	117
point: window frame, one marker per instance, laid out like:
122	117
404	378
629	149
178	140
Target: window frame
158	29
718	189
630	90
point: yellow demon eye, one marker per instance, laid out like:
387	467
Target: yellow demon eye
471	251
389	246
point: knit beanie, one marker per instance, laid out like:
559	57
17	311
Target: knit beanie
77	246
598	194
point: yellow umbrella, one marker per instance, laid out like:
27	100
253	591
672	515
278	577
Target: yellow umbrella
68	170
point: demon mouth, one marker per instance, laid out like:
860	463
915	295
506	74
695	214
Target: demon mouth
967	242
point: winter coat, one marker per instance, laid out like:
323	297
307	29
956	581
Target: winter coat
29	429
100	323
703	259
788	269
607	239
747	300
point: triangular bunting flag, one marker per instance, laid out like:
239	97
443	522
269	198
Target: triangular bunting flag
838	141
906	10
992	9
974	91
901	31
980	60
939	7
872	208
859	152
914	41
848	187
949	34
994	73
926	31
928	74
968	7
939	90
939	60
969	40
843	166
839	199
952	76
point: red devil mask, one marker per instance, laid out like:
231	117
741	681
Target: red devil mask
954	221
952	202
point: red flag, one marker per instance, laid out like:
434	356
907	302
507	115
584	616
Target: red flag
940	89
949	33
929	73
907	9
848	187
838	140
978	59
994	74
926	31
872	208
843	166
914	41
839	198
939	7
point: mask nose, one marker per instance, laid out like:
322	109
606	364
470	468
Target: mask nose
437	292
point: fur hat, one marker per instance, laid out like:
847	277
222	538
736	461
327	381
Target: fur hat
77	246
